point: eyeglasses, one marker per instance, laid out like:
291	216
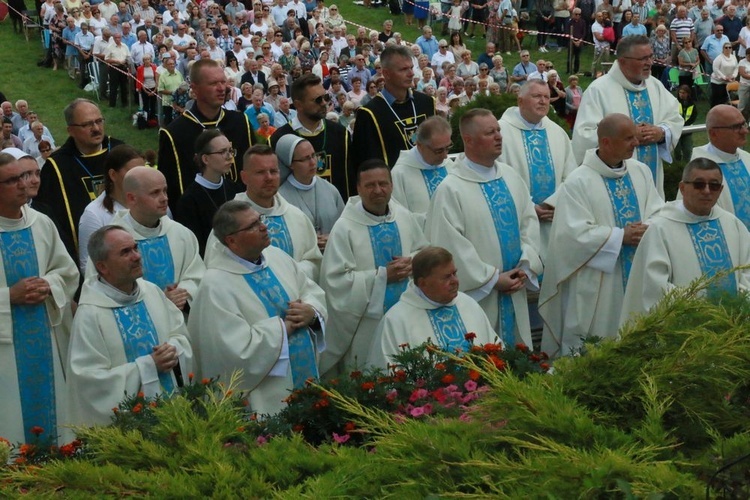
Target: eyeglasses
643	59
91	124
255	226
714	187
735	128
237	42
440	151
334	9
16	179
728	47
226	153
321	98
312	157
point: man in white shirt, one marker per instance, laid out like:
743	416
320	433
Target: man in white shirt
441	56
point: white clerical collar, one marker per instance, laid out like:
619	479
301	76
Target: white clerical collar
303	187
13	224
116	294
488	174
723	155
148	232
527	124
202	181
698	218
297	126
377	218
424	297
418	157
250	266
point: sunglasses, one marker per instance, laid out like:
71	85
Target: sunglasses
322	98
701	185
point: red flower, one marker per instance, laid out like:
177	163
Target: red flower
499	363
492	348
37	430
522	347
191	375
325	394
115	410
474	375
403	346
400	375
349	426
26	449
368	386
440	366
448	379
141	395
470	336
67	450
298	428
321	403
355	375
535	358
544	366
206	381
137	408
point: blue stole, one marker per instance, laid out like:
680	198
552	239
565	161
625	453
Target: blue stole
738	181
279	234
267	287
449	328
500	202
432	178
625	208
641	112
385	241
32	338
158	266
541	166
139	336
710	247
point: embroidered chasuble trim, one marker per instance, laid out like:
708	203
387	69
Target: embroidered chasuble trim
158	265
541	166
737	179
32	338
711	248
267	287
139	337
279	234
449	328
433	178
641	112
385	241
625	209
503	210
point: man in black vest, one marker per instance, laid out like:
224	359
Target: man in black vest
330	140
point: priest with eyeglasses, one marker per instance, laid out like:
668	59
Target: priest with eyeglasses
689	238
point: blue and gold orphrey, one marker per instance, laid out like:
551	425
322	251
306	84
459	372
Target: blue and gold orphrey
158	265
279	234
541	165
385	241
711	248
624	201
639	103
448	328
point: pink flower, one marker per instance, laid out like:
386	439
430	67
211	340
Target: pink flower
470	386
417	412
261	440
465	417
427	409
341	439
418	394
391	395
451	388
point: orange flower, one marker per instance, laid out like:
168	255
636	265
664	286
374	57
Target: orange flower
191	375
206	381
115	410
349	426
499	363
368	386
400	375
544	366
37	430
26	449
137	408
152	404
440	366
141	395
492	348
67	450
448	379
474	375
522	347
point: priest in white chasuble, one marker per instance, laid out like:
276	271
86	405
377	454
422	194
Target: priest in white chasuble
599	221
366	266
431	309
288	227
630	89
538	150
257	311
169	251
37	284
420	170
689	238
727	133
483	214
128	337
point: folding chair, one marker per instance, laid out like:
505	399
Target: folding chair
93	68
674	77
30	22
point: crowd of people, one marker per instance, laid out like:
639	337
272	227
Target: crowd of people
315	247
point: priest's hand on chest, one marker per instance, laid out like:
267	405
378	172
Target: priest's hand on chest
511	281
29	291
298	315
165	357
633	233
398	269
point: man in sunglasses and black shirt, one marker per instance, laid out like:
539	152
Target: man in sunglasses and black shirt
689	238
330	140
